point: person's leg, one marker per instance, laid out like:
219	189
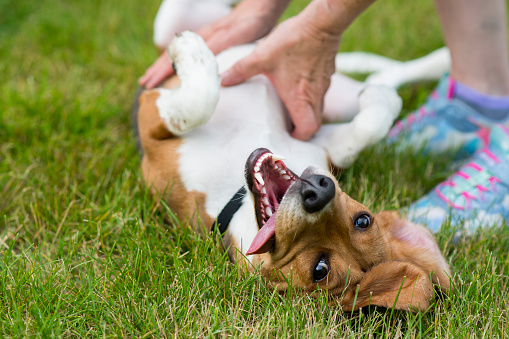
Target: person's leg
475	97
478	92
476	34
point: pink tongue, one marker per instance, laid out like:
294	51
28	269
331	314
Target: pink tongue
264	238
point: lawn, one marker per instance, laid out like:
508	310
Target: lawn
84	249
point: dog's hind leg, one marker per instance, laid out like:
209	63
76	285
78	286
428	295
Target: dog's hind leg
340	102
379	107
193	103
430	67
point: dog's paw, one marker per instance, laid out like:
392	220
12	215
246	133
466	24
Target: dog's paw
192	58
194	102
379	107
382	97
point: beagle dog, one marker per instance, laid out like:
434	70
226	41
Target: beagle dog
224	157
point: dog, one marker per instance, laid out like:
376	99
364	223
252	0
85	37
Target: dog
215	156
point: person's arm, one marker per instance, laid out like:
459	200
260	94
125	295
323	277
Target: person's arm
298	58
249	21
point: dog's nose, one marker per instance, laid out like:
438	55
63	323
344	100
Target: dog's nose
316	192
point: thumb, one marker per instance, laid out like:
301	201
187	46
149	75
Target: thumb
241	71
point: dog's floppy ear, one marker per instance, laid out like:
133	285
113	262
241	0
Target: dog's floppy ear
413	243
393	283
407	279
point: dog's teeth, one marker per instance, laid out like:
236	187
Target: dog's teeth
258	177
282	172
276	167
264	191
266	201
276	157
268	211
257	168
286	177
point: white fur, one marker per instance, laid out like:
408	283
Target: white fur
175	16
217	139
429	67
379	106
193	103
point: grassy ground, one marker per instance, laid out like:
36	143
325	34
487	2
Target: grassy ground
83	249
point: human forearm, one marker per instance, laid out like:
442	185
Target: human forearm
333	16
269	10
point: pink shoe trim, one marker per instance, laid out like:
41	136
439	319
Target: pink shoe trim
450	89
444	198
484	134
482	188
494	180
449	183
505	129
474	166
491	155
468	197
463	175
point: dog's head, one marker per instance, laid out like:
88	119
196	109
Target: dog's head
315	235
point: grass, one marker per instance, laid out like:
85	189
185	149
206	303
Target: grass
84	250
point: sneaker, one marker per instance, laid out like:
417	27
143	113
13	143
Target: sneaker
443	124
477	195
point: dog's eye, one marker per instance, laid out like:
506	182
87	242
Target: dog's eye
321	270
362	221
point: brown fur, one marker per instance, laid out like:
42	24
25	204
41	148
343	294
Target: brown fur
389	263
160	164
374	263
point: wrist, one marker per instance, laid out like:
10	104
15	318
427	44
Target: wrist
270	9
333	17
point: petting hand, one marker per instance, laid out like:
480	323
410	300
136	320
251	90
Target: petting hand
249	21
160	70
299	61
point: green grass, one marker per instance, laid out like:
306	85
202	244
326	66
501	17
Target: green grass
84	250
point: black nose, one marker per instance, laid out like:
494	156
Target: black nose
316	192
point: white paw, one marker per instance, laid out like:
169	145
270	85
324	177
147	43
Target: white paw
192	57
194	102
379	107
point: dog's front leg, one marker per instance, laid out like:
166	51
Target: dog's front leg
193	103
378	107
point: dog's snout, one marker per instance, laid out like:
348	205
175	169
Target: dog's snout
316	192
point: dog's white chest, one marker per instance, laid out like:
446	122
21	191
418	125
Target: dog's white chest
248	116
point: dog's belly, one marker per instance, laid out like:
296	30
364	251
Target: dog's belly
248	116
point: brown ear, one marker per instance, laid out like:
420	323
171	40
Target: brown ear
394	283
414	243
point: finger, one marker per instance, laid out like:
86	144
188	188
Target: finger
242	70
161	70
158	76
219	42
142	81
207	31
306	122
162	67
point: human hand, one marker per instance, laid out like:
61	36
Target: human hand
249	21
161	69
299	61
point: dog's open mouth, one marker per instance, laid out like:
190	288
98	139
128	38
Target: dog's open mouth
268	179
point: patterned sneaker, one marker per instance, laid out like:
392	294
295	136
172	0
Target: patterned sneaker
477	195
443	124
